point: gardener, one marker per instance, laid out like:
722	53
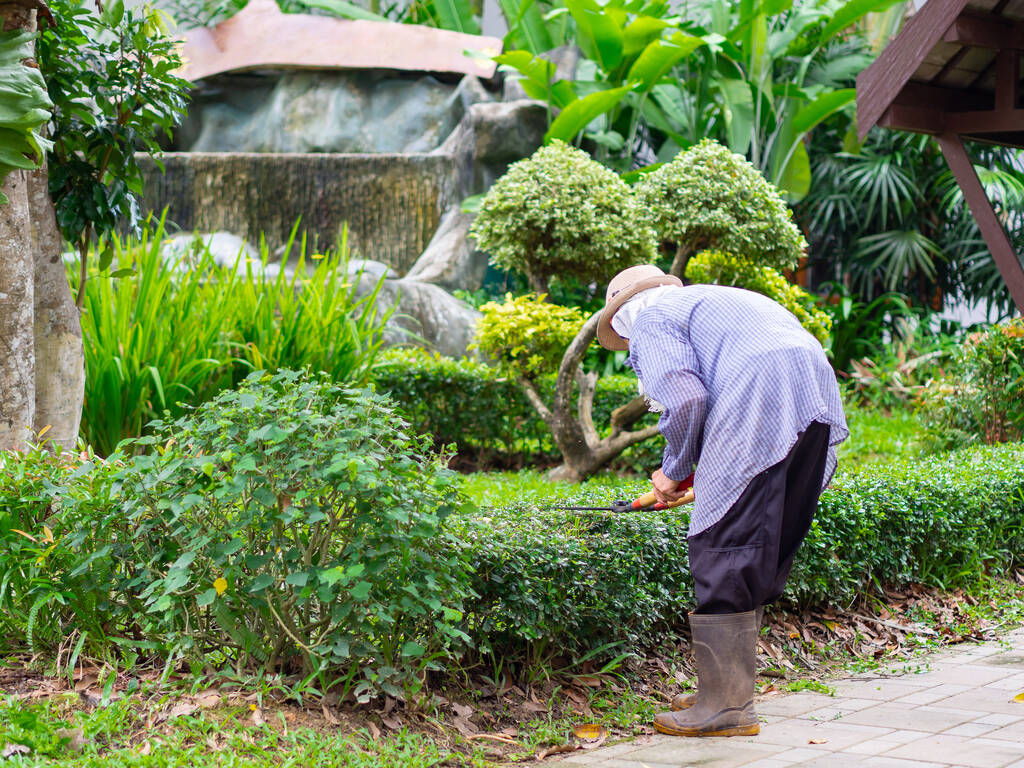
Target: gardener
749	398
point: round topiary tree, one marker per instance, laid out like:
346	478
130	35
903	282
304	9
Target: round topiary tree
561	213
709	198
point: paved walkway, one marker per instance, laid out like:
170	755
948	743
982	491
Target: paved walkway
959	712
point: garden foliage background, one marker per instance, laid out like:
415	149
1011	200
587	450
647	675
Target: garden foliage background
260	487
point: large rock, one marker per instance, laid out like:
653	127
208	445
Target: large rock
352	112
424	314
452	259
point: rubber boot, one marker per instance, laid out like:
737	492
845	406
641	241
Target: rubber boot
687	700
723	646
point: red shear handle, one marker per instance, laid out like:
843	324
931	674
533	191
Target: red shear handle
649	498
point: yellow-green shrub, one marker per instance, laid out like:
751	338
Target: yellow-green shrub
526	335
722	268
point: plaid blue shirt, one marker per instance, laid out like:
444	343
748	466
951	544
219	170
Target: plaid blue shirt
740	379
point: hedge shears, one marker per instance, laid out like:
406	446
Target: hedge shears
647	501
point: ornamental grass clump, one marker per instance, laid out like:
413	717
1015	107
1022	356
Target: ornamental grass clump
711	198
560	213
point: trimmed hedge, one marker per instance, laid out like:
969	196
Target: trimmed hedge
583	580
485	415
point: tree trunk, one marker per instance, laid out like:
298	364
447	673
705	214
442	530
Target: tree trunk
60	360
17	355
583	451
683	253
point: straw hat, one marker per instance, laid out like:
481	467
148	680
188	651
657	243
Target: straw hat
621	289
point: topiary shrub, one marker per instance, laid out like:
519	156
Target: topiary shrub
561	213
721	268
981	397
711	198
294	525
526	335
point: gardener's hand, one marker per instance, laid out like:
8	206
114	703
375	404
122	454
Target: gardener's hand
666	490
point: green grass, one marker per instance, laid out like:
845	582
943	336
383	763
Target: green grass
876	436
492	489
121	734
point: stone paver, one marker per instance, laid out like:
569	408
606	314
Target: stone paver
958	713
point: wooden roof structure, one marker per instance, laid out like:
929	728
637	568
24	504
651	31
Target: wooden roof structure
956	71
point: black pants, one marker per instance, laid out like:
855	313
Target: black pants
743	560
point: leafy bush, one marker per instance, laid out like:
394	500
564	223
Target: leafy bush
480	410
291	524
111	76
982	396
578	581
727	269
169	334
560	213
526	335
44	599
711	198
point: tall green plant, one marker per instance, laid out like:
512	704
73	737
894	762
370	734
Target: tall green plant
175	333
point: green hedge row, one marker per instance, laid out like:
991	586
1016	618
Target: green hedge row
486	416
582	580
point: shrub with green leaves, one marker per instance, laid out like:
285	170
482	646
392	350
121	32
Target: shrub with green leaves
290	524
526	335
981	397
711	198
722	268
45	597
576	581
560	213
482	412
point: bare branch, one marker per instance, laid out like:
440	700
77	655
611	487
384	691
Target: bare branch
623	440
571	361
538	403
625	416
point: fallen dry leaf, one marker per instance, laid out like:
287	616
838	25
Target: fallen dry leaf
392	722
329	716
534	706
461	710
465	726
208	699
560	749
146	748
374	730
181	709
76	739
10	750
590	731
817	741
257	716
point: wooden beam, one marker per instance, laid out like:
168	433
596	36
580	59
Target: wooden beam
908	117
992	230
930	96
985	121
879	84
986	32
1007	79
